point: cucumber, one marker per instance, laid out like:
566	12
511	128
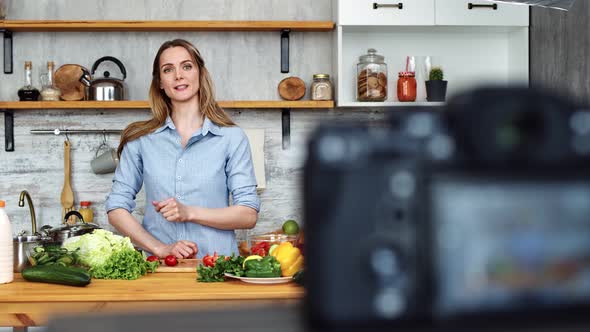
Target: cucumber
57	274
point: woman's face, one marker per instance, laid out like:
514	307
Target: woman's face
179	74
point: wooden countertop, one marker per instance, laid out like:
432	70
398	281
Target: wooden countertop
24	303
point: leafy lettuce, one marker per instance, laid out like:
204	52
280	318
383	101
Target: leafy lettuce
109	256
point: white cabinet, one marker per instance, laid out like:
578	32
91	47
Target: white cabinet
386	12
480	12
471	54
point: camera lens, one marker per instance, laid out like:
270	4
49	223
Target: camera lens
520	132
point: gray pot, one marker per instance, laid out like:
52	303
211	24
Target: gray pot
23	247
60	234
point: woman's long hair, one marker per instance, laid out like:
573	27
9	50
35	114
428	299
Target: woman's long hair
161	105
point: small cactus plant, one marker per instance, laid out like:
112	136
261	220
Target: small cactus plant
436	74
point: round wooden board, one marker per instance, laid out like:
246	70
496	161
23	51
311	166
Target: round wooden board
292	88
67	79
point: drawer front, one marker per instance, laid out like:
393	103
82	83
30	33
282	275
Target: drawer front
480	12
386	12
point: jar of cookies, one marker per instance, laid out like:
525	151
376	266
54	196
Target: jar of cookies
371	74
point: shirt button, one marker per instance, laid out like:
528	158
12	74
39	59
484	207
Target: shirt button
179	160
178	197
179	178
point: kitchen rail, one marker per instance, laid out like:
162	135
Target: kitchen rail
25	303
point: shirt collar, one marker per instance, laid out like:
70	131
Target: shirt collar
208	127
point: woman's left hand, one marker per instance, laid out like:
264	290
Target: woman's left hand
172	210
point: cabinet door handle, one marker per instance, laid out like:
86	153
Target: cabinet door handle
383	5
471	5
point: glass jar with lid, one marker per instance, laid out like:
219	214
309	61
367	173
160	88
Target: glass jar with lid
406	86
321	88
371	74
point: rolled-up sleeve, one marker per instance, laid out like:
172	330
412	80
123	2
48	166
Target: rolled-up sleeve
127	181
239	169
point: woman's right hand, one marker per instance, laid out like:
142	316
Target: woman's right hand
180	249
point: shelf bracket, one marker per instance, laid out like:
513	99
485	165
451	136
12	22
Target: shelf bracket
285	50
8	130
8	63
286	123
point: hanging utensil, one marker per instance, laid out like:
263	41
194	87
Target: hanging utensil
67	194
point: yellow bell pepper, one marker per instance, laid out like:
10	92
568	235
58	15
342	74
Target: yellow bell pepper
290	258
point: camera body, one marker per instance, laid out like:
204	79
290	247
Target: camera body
478	211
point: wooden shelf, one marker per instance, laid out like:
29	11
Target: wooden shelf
390	104
75	26
142	104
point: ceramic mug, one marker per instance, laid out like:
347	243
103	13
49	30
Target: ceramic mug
106	162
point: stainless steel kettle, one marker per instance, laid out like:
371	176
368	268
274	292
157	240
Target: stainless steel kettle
106	87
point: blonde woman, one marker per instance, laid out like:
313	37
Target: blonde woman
190	156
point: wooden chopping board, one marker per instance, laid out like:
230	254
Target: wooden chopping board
292	88
184	265
67	79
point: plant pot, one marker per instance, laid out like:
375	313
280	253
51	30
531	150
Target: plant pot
436	90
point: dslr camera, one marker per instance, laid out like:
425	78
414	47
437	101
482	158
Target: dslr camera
476	213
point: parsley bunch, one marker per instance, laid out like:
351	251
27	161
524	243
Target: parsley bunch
224	264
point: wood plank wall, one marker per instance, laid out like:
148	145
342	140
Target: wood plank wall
560	50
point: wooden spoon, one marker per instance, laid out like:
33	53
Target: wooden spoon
67	194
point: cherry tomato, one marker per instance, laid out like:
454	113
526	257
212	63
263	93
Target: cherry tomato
208	261
170	260
152	258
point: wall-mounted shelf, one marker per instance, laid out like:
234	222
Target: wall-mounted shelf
8	107
7	27
143	104
284	27
85	26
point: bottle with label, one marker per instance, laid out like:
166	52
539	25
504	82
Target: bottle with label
6	247
28	92
86	211
49	91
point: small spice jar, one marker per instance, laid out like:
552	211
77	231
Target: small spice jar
406	86
371	77
321	88
86	211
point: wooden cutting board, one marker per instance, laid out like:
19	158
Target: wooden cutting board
184	265
67	79
292	88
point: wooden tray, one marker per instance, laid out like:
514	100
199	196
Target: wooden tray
184	265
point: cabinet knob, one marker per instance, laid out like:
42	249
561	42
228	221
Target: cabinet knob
384	5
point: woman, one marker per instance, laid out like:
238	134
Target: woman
190	156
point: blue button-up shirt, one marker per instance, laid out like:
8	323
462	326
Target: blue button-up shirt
215	162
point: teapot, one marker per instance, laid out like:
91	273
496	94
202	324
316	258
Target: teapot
106	87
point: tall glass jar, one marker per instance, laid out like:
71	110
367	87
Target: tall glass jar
321	88
371	74
49	91
406	86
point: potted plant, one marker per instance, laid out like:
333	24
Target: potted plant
436	87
